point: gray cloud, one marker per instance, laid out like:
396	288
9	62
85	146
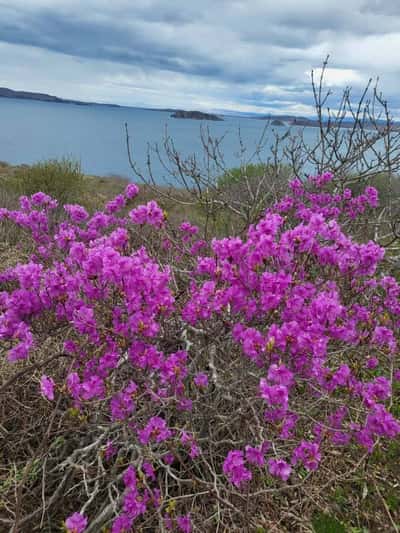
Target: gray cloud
252	54
382	7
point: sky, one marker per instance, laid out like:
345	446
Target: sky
215	55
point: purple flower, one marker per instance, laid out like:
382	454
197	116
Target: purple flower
73	384
135	503
372	196
129	477
122	404
168	522
122	524
41	199
385	336
184	523
382	423
110	450
378	390
308	453
92	388
47	387
201	380
280	375
234	468
76	212
255	456
185	404
253	343
84	321
194	451
288	425
188	440
279	468
131	191
148	470
116	204
150	213
25	203
299	295
168	458
371	363
274	394
189	228
156	430
76	523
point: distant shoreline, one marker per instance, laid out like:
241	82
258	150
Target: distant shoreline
43	97
276	120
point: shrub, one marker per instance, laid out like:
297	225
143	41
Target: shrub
61	179
191	384
253	173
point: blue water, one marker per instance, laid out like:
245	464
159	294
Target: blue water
32	131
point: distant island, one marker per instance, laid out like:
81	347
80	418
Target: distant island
196	115
291	120
277	122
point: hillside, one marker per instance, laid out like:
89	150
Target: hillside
27	95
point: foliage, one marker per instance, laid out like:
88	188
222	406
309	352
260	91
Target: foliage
61	179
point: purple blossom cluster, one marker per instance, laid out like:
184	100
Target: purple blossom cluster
299	297
235	468
294	291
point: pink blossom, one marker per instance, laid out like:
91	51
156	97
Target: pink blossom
279	468
255	456
76	523
110	451
308	453
234	468
155	430
184	523
201	380
47	387
131	191
76	212
150	213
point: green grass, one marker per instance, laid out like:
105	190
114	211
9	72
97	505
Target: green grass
325	523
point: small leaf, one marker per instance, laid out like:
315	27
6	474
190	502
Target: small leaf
171	506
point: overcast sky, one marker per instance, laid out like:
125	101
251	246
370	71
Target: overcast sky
253	55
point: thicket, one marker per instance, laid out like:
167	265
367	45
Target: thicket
156	377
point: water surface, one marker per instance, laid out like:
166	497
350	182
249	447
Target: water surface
31	131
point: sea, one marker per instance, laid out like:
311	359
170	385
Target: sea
32	131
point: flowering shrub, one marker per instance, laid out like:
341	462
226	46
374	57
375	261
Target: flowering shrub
203	369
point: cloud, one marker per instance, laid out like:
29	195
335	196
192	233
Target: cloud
232	54
338	77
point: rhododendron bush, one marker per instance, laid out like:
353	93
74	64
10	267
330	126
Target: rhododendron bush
196	380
